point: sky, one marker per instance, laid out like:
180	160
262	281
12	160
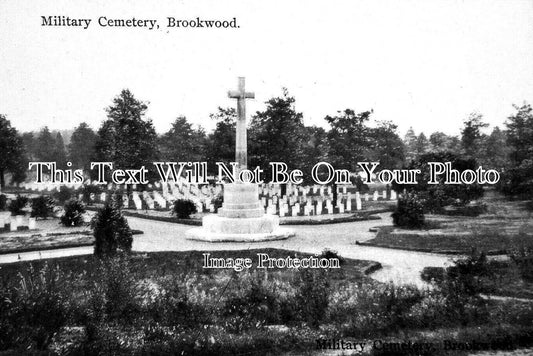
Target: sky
425	64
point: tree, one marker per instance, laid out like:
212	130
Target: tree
471	136
409	141
46	145
520	133
348	138
315	149
59	153
421	145
495	152
182	142
277	134
220	145
126	138
387	147
30	145
81	149
12	155
518	179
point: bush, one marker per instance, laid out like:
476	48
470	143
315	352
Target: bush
436	196
73	215
409	212
3	202
111	231
183	208
42	207
17	205
64	194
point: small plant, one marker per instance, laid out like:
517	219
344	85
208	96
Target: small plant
17	205
73	215
3	202
409	212
42	207
64	194
183	208
111	232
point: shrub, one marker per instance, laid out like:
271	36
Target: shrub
3	202
73	215
111	231
409	212
183	208
17	205
437	196
64	194
42	207
113	295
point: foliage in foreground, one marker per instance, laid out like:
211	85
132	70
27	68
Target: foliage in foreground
124	307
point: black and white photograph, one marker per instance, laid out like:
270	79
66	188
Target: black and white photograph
266	177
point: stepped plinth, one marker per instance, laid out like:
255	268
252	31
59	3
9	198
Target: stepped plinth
241	219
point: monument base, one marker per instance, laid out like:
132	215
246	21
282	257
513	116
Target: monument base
241	219
221	229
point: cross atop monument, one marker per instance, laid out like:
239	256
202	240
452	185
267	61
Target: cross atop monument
241	152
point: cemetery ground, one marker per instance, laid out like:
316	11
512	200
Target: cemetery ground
166	303
159	299
503	226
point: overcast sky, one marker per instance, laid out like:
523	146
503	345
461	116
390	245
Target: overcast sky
425	64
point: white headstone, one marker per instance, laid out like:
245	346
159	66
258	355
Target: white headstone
32	224
13	225
375	196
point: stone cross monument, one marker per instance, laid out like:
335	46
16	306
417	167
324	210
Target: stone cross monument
241	151
241	218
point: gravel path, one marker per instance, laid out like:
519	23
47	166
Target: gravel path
402	267
398	266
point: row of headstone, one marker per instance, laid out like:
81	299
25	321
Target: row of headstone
17	223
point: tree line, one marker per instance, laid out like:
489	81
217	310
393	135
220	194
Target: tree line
278	133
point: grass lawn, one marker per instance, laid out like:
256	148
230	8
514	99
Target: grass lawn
506	225
49	234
